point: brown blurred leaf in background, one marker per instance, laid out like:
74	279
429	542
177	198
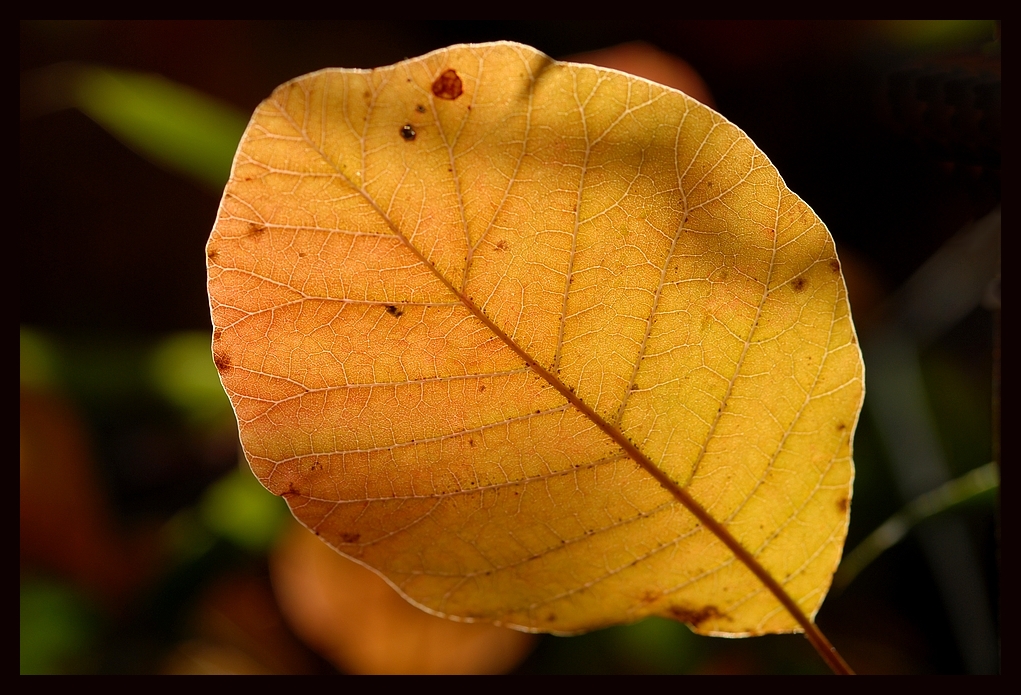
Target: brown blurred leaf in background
358	622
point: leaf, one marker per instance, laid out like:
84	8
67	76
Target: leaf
544	344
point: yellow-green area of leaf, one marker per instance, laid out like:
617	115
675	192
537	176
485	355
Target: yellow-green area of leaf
544	344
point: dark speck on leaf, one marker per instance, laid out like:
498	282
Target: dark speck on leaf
799	284
407	132
835	265
420	108
392	310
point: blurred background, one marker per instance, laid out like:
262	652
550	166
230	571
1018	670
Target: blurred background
147	547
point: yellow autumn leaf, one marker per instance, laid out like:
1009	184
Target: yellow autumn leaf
543	344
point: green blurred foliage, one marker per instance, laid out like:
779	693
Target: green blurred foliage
165	122
38	360
181	370
241	510
58	626
923	34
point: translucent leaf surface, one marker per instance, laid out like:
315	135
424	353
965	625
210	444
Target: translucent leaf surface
504	329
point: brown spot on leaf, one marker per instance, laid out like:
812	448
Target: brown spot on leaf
290	492
255	230
799	284
551	617
835	265
841	426
420	108
482	387
448	85
393	311
695	616
502	244
842	504
221	361
217	332
651	596
212	253
471	442
350	537
407	132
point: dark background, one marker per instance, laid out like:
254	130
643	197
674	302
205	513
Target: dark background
890	131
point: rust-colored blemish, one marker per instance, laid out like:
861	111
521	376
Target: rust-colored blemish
551	617
255	230
835	265
217	332
502	244
841	426
842	504
221	361
448	85
471	442
482	387
212	253
393	311
420	108
407	132
290	492
350	537
798	284
695	616
650	596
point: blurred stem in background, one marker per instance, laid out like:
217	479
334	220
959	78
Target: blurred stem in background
950	285
169	124
970	487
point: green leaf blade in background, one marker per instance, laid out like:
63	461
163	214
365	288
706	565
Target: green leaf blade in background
170	124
